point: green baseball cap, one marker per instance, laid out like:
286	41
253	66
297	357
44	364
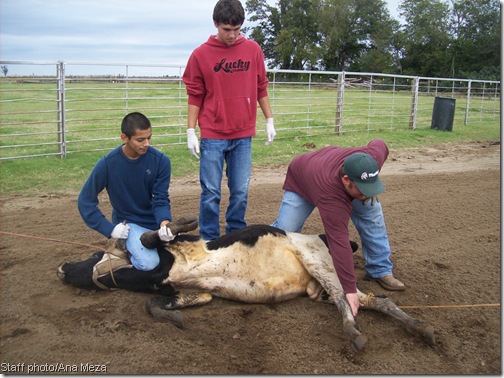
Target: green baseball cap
363	170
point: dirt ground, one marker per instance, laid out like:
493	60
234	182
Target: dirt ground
442	208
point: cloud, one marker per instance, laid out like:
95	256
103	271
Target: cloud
105	30
127	31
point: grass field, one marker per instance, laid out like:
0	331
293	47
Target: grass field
52	174
93	111
31	113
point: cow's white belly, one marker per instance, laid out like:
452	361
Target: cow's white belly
267	272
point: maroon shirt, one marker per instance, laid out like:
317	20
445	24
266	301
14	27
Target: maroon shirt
315	177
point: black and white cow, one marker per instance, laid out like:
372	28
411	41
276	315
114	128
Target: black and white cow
259	264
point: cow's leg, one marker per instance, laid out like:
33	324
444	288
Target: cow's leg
151	239
154	307
182	299
312	253
382	304
163	307
388	307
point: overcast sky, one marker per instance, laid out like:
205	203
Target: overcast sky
112	31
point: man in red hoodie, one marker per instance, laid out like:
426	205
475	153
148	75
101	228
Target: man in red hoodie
225	78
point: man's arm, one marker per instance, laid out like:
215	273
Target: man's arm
161	200
192	116
192	139
265	107
88	201
268	114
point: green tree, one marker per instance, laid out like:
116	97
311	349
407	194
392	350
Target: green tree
340	44
476	51
288	33
267	26
437	38
325	34
427	38
378	37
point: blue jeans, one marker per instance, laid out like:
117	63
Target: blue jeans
237	154
141	258
368	220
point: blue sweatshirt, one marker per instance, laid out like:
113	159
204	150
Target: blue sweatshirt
137	189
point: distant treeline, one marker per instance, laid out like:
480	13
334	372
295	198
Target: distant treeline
434	38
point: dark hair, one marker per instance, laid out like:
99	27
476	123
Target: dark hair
342	171
134	121
229	12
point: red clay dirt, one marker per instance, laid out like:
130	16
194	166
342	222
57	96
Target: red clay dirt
442	208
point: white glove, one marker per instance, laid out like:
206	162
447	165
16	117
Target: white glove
165	234
192	142
270	130
120	231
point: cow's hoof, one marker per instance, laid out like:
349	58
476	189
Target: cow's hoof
183	225
428	335
121	245
150	239
359	342
61	273
185	299
155	308
426	332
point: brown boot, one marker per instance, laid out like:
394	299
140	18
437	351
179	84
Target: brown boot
388	282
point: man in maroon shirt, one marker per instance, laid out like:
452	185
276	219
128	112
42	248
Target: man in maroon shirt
342	183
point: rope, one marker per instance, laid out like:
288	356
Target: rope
369	297
53	240
108	250
456	306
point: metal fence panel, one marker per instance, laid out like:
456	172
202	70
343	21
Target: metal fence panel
78	107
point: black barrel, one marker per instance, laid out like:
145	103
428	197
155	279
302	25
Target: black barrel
443	113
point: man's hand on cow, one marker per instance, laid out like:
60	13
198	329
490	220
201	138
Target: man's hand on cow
192	142
353	301
121	231
165	234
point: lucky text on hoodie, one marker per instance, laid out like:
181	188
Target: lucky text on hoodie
230	67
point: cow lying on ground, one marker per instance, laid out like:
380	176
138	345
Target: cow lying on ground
259	264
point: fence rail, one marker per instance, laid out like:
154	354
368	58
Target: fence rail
78	107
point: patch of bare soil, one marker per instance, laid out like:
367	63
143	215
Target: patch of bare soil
442	207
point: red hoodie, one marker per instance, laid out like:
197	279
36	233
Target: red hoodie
225	82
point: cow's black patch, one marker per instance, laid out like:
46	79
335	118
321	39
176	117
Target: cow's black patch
185	238
144	281
323	237
80	274
353	244
248	236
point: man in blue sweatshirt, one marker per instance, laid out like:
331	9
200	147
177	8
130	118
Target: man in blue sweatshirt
137	178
